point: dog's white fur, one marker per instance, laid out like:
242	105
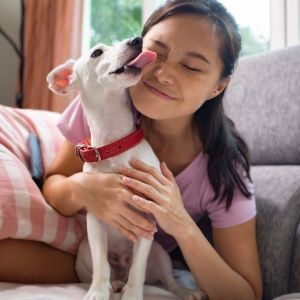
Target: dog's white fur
108	112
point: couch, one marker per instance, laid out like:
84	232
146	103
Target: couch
263	100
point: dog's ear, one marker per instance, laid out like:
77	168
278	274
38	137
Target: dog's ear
62	79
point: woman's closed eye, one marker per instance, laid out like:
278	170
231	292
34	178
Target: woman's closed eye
192	68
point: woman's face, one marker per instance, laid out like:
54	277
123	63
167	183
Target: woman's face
186	72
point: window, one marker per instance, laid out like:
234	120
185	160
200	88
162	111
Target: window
114	20
110	21
253	18
285	23
264	24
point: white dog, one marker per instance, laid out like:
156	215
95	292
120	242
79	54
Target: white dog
102	77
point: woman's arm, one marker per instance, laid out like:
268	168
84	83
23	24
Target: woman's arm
57	187
230	270
68	190
238	247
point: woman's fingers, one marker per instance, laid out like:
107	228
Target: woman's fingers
145	204
144	173
140	187
137	224
147	180
136	230
167	172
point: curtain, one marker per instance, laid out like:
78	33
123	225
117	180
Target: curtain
52	34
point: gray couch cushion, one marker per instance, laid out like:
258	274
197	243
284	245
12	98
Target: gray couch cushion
278	206
263	99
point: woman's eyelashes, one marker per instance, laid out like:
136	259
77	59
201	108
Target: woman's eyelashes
191	68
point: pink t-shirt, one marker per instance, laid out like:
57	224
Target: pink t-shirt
193	183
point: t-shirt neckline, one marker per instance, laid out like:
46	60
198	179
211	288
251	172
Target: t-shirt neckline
189	169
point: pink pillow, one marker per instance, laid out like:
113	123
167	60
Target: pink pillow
24	213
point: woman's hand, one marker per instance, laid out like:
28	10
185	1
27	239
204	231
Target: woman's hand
156	193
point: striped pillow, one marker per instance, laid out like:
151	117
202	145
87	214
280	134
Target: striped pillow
24	213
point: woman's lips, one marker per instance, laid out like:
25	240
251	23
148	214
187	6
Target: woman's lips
158	93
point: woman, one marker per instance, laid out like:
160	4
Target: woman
205	166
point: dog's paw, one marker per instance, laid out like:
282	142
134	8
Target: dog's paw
191	294
97	295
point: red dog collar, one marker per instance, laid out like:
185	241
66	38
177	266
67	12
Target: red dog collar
88	153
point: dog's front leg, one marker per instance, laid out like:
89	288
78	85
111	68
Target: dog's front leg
97	235
133	289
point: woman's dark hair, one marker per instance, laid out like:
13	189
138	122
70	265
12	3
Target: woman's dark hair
226	149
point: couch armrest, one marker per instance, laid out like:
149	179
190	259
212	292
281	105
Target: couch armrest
277	191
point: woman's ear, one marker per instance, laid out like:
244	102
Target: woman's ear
222	84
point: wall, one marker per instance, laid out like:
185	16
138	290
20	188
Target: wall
10	15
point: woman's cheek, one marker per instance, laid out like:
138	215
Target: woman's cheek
133	92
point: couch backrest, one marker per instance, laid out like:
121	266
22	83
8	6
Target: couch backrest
263	100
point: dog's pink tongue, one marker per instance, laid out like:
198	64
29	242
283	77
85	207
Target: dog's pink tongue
143	59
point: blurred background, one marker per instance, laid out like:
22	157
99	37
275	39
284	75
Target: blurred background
36	35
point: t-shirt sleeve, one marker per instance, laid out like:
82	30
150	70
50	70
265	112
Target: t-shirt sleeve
73	124
241	210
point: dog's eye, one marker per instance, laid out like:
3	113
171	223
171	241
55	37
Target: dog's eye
96	53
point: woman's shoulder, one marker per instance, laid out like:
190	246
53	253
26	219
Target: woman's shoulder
198	192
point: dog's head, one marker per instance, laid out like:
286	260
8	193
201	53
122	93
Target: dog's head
118	66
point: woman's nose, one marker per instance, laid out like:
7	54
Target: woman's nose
164	73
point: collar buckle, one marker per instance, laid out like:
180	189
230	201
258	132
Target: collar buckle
78	149
81	148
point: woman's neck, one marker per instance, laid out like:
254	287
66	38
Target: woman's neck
177	142
169	132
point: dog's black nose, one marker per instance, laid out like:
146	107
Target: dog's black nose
136	42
